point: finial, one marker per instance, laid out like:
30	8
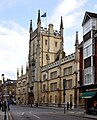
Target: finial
31	29
38	20
22	70
61	24
76	41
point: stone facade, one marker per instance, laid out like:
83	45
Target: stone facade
48	66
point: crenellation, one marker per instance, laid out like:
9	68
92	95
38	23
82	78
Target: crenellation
57	33
46	31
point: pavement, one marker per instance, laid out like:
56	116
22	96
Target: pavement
81	112
2	115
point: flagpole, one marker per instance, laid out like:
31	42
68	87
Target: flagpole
45	15
46	19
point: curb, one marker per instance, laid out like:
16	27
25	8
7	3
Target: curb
82	115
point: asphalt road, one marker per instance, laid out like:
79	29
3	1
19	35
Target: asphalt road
28	113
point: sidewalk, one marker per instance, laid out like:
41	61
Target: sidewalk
1	115
80	112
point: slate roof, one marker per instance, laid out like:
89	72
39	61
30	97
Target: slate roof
87	16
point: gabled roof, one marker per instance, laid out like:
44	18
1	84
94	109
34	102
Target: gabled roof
87	16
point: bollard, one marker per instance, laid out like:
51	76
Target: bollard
36	104
64	108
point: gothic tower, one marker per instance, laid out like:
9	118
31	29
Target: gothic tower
45	45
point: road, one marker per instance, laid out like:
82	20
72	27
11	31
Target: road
28	113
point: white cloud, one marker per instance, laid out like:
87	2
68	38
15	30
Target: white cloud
13	48
95	6
70	42
5	4
70	10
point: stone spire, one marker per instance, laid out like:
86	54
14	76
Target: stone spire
17	73
61	35
22	70
76	47
38	19
31	28
27	67
76	40
61	24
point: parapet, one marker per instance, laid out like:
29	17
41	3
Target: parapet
62	61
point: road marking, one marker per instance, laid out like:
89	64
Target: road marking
30	112
36	116
22	113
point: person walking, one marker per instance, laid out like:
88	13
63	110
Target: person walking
71	105
8	105
67	105
0	105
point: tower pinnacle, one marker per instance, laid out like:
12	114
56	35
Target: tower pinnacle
38	20
31	29
76	40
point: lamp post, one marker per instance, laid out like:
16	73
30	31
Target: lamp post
64	88
4	95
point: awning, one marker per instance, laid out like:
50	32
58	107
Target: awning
88	94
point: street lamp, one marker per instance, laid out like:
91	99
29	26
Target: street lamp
64	88
4	95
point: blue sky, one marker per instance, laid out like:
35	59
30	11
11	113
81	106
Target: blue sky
14	27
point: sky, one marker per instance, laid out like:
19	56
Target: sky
15	16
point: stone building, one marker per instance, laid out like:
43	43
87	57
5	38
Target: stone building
11	89
22	88
48	66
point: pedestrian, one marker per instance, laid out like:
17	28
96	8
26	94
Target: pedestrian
67	105
8	104
31	103
0	105
5	106
70	105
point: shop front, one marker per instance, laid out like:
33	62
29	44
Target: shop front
90	98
